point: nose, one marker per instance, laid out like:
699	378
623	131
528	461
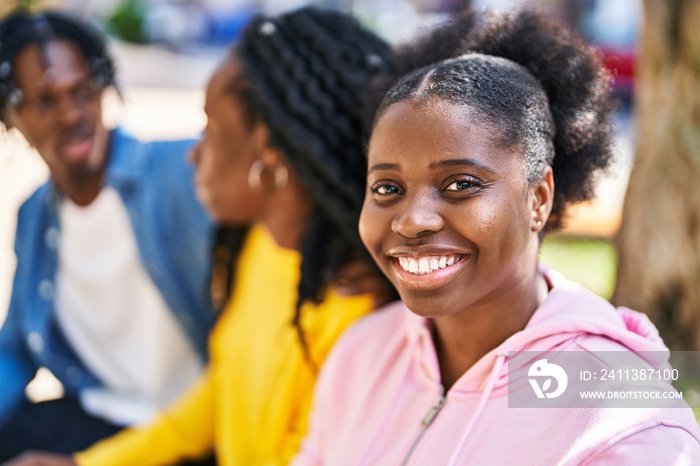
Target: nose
419	216
69	111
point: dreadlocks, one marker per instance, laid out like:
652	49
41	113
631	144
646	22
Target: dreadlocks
21	29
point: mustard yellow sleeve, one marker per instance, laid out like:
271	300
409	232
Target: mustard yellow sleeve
183	431
323	329
296	430
292	442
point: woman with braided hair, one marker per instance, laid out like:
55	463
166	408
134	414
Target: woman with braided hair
471	159
280	165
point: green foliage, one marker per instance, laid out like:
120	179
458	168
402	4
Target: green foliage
591	262
6	6
127	21
28	4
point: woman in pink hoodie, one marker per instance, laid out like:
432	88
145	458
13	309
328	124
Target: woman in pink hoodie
471	366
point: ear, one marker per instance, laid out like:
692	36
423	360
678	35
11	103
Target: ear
542	199
270	155
273	161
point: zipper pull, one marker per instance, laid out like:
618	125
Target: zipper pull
434	410
427	420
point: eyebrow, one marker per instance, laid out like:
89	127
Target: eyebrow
443	163
383	166
40	88
458	162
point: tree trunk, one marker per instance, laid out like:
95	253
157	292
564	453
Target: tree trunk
659	239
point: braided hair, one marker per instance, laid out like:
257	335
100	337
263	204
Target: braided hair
22	28
536	83
308	73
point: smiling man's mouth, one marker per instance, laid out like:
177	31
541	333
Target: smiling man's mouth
77	148
76	144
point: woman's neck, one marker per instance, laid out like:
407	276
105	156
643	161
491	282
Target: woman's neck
287	215
463	338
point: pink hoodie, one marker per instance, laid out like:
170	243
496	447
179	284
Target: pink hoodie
380	387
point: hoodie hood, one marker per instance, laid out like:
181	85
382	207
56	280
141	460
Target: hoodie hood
571	318
571	310
569	314
379	398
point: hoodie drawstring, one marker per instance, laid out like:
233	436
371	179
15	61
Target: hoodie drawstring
485	394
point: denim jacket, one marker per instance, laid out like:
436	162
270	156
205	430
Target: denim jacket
173	234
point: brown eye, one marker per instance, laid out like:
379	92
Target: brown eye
43	102
84	93
385	190
463	185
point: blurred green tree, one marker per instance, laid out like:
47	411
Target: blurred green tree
127	21
27	3
659	239
6	6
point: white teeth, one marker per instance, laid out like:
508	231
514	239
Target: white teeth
434	263
424	265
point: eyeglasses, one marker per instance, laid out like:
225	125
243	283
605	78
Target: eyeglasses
46	104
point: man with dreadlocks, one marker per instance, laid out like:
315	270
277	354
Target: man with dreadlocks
110	292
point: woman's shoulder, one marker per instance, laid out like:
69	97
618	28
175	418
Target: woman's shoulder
391	318
363	343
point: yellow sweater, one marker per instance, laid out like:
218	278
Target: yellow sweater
252	402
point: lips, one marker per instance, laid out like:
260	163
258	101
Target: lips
77	150
426	270
76	146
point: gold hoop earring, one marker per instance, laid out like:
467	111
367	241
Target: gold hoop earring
255	177
281	177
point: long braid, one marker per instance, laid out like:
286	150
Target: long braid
228	241
309	74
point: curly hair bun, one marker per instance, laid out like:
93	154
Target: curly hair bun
562	117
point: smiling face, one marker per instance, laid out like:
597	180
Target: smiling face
230	145
448	215
61	111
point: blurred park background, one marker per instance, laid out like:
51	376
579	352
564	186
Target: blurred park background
166	49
